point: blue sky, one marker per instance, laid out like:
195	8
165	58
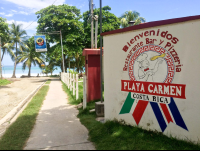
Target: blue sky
23	11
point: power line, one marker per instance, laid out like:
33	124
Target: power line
37	18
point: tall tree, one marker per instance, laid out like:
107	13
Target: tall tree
109	22
131	16
18	36
67	19
4	34
29	56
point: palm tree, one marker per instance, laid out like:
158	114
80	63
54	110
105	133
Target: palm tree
29	56
131	16
4	34
79	60
8	49
18	36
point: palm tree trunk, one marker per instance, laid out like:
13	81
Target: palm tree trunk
78	65
3	54
13	76
29	72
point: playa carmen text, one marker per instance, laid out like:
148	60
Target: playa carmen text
168	45
153	88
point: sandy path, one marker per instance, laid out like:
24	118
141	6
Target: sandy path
11	95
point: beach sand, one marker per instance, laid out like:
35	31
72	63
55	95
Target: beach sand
12	94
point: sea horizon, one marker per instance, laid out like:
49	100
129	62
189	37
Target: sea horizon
7	71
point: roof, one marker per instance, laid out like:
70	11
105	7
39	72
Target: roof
89	51
152	24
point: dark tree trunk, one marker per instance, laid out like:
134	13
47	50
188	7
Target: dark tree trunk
3	54
78	65
69	62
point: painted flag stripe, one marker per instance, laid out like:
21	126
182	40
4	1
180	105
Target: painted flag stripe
159	116
166	112
176	114
127	104
139	110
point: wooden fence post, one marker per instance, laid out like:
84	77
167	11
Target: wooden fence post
84	93
70	81
64	78
76	86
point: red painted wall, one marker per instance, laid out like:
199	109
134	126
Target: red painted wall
93	78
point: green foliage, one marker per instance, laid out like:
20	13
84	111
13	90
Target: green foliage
54	75
50	68
29	56
131	16
4	30
67	19
5	37
4	82
73	72
46	70
71	98
18	133
17	38
109	22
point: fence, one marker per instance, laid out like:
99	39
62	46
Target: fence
71	80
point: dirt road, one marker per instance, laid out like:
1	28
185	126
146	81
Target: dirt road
12	94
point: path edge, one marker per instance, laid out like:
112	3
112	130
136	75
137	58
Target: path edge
5	121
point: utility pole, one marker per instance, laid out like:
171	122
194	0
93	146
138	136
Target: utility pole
57	32
96	30
92	25
101	51
62	51
0	60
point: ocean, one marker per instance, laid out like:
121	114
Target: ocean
7	71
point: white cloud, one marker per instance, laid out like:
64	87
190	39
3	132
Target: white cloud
14	11
22	12
25	24
2	8
36	5
9	15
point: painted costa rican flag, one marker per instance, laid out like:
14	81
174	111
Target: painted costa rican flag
165	113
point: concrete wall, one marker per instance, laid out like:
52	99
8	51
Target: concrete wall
152	81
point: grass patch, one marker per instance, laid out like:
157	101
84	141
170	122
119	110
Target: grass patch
18	133
54	75
116	136
80	80
72	99
48	81
4	82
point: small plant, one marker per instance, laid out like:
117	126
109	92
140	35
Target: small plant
73	72
4	82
